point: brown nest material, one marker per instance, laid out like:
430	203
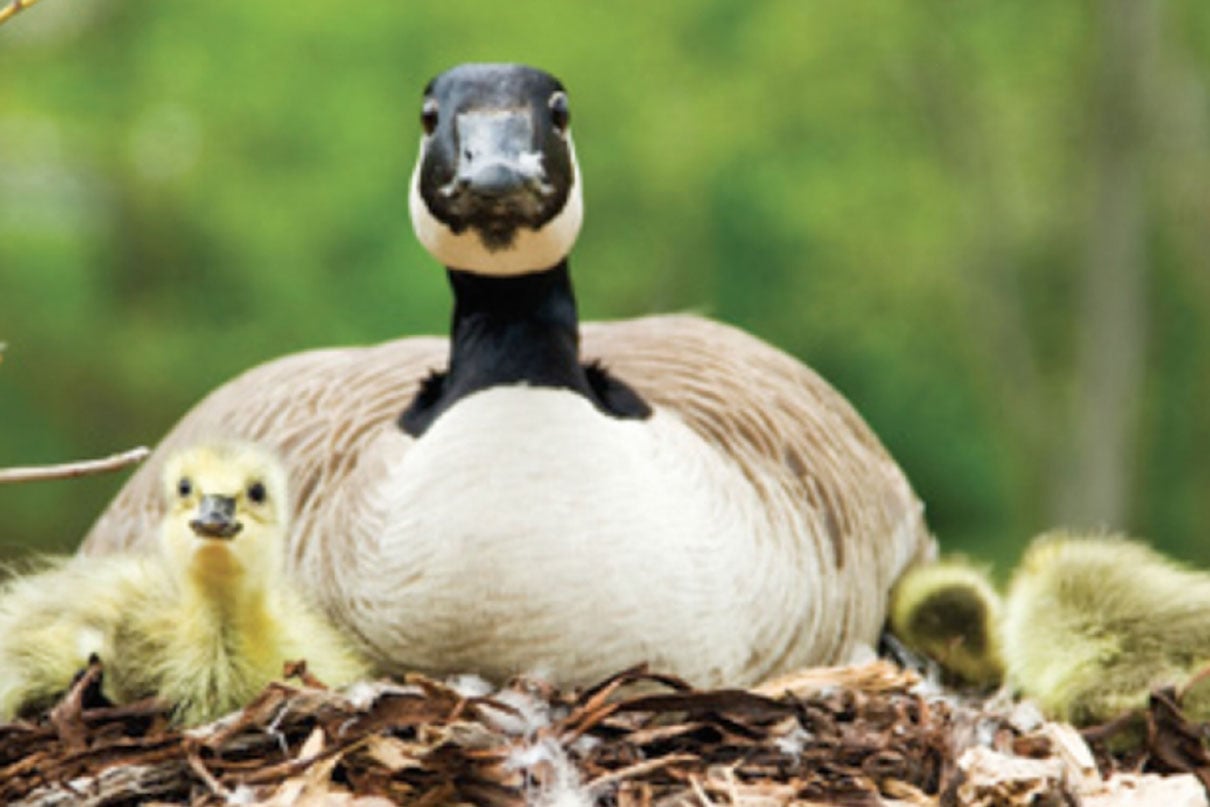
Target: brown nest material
861	735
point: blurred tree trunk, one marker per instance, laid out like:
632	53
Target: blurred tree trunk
1095	486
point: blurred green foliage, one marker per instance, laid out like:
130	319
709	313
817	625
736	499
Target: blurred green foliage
900	194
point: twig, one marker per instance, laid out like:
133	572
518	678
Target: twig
194	759
12	8
638	769
700	792
70	470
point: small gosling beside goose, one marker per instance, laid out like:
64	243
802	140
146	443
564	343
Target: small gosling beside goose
227	619
205	624
950	611
1093	623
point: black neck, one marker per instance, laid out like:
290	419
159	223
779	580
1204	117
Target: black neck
513	329
516	330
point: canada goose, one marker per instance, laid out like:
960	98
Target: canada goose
205	623
1093	623
666	489
950	611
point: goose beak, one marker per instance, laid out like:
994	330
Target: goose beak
216	518
497	163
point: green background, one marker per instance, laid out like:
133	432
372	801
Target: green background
985	222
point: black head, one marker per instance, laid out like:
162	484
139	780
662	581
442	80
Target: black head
496	188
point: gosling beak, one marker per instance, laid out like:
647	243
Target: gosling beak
216	518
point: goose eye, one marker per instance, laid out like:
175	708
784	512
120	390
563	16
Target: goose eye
560	115
256	492
428	115
184	487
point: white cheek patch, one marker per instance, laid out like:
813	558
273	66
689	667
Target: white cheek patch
530	251
531	162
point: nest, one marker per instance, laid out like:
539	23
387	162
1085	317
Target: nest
861	735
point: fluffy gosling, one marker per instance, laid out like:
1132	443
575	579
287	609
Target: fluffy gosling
1094	623
52	620
225	619
950	612
207	622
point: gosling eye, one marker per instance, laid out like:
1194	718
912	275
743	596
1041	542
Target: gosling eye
560	115
184	487
428	115
257	493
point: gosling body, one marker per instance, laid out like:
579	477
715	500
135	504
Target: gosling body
56	616
1094	623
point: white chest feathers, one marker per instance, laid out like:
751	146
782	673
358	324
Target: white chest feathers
526	530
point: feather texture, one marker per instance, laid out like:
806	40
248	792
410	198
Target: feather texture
1093	623
950	611
57	615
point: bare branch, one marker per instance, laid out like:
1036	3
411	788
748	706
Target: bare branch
12	8
70	470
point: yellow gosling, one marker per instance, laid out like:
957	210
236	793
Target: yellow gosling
1093	623
204	624
224	619
950	611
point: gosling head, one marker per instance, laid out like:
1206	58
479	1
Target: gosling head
227	512
496	189
950	611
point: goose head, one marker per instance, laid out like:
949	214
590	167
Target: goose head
496	188
226	514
